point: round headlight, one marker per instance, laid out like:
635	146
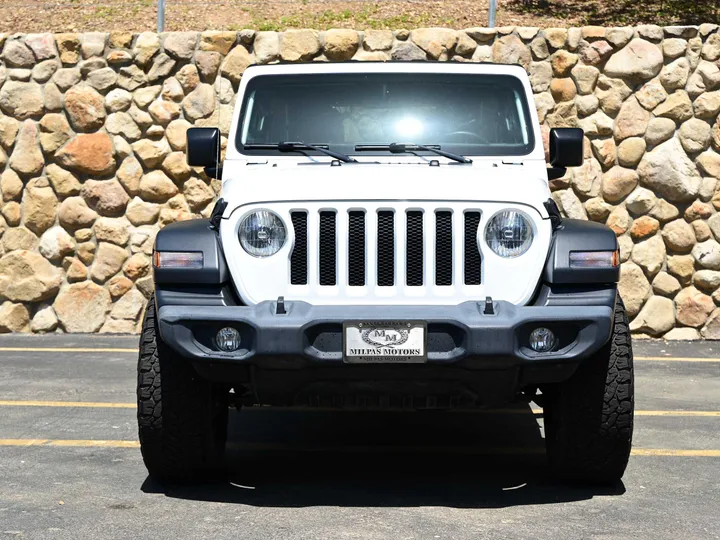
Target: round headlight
509	234
262	233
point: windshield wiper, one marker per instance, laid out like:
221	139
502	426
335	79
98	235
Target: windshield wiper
299	147
404	148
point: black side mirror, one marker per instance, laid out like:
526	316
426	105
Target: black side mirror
566	147
203	149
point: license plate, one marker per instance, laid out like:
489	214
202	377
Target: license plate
385	342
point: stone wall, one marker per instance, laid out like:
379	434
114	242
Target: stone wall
92	139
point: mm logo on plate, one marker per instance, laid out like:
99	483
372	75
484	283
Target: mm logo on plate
385	342
381	337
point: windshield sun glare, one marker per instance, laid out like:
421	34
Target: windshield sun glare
466	114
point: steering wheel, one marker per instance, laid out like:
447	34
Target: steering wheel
474	135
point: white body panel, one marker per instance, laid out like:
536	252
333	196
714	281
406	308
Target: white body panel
399	183
258	279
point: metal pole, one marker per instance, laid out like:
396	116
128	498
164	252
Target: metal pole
491	16
161	15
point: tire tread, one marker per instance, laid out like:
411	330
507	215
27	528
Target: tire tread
181	436
589	418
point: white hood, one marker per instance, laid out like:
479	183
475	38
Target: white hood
481	182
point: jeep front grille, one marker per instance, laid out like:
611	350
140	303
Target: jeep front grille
402	253
356	248
472	253
328	248
386	249
443	248
299	256
414	249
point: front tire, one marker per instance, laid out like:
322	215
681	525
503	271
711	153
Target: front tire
589	418
182	418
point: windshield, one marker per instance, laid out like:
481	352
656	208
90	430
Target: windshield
477	115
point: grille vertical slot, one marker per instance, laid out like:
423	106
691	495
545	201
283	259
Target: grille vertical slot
473	261
386	248
356	248
328	249
414	249
443	248
299	255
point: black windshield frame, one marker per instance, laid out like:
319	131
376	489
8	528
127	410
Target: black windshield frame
497	84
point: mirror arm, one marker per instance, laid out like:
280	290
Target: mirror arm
214	172
556	172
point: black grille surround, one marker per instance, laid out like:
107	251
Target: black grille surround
473	261
443	248
356	248
414	249
386	248
299	255
328	249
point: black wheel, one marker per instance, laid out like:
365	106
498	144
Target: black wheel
589	418
182	418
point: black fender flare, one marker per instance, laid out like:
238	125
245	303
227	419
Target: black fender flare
197	235
578	235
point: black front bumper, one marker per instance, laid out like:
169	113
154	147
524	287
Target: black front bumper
464	335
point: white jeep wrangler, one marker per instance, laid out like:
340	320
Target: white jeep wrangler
385	238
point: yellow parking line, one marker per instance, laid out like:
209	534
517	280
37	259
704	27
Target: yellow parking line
69	443
80	443
91	443
674	453
111	405
677	413
675	359
23	442
88	404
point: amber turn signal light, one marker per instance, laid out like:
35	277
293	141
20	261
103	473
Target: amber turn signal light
594	259
177	259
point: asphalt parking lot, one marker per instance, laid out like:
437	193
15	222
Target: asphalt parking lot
70	466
